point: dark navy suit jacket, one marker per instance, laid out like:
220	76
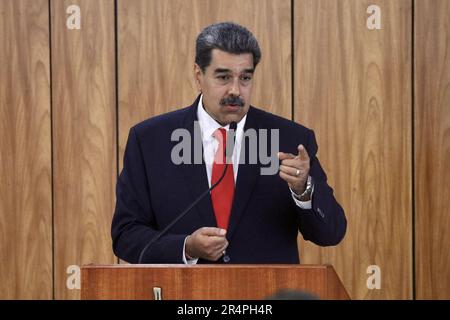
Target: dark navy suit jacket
152	191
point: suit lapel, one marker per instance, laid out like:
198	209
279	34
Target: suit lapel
195	174
247	176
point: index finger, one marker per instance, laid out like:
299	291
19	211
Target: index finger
283	156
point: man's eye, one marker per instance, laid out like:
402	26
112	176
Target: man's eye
224	77
246	78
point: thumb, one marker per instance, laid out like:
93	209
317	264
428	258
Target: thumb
302	153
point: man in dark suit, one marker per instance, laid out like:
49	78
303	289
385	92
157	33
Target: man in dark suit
251	216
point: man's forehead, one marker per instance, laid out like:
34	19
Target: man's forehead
221	61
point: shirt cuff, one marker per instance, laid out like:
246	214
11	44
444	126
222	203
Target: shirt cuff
306	205
185	260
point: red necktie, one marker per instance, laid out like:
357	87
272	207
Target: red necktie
222	195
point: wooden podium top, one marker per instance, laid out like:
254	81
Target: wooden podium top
207	282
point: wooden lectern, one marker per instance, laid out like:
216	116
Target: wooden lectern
207	282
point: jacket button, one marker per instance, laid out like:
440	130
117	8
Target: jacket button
226	258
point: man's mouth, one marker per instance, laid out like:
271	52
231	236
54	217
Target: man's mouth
232	108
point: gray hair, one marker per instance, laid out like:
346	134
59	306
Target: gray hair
226	36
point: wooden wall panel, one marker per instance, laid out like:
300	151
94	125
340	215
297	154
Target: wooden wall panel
25	157
84	137
157	52
353	87
432	148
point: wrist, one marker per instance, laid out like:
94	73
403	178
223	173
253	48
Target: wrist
187	250
305	193
299	191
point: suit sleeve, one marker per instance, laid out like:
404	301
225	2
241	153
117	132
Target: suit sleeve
325	223
133	224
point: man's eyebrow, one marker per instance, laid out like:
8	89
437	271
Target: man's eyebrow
222	70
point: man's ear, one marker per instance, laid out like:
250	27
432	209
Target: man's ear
198	73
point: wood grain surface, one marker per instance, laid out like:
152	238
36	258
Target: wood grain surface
353	87
432	148
209	282
25	156
84	137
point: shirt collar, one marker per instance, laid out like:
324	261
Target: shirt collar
208	125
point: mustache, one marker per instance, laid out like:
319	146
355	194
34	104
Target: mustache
232	100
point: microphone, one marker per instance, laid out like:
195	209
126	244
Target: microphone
228	153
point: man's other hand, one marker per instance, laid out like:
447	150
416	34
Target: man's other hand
206	243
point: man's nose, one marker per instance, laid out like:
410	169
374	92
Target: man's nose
234	88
